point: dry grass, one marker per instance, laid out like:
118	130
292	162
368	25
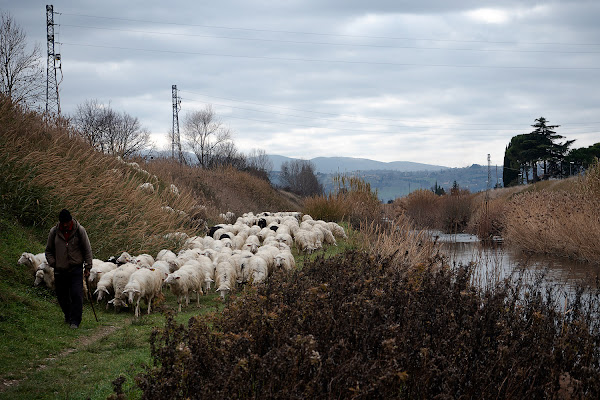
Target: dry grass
46	167
352	201
399	241
225	189
562	223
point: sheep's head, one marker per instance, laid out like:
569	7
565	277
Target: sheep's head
39	277
125	257
130	293
26	258
100	293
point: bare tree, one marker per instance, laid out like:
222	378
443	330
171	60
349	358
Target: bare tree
299	177
205	134
259	160
109	131
21	72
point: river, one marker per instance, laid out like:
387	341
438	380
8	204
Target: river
496	261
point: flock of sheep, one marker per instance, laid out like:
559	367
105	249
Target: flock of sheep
247	251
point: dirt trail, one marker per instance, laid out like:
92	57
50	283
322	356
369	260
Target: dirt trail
79	344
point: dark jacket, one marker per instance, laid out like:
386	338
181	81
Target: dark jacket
65	255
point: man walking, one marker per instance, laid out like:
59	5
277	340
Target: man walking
67	250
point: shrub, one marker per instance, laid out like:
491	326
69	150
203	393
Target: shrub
358	326
352	201
421	206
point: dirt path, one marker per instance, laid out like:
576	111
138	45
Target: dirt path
80	344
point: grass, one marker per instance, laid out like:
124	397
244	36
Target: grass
42	358
78	366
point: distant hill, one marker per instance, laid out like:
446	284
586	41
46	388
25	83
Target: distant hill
393	184
330	165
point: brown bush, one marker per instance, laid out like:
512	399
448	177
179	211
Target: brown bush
361	326
352	201
422	207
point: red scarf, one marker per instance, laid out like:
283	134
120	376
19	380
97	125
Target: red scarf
66	228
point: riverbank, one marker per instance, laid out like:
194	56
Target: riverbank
558	218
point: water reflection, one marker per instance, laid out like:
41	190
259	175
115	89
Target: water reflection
496	262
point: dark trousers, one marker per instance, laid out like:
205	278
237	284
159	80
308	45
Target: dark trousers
69	292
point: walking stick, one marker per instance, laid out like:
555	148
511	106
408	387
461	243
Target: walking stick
90	298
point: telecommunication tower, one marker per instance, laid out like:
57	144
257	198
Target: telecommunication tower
52	99
176	139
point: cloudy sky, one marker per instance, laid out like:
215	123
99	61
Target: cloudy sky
440	82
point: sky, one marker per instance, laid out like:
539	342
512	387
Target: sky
438	82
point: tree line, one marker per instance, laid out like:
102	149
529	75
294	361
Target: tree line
540	151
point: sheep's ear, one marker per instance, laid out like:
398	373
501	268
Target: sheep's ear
96	291
111	301
136	291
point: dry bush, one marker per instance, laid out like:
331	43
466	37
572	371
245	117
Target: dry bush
487	218
421	206
455	211
358	326
559	223
352	200
401	242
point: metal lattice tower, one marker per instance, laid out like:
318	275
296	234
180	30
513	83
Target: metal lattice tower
489	180
176	139
52	99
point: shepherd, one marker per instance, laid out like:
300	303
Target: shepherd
69	252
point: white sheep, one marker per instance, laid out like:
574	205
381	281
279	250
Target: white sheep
144	260
225	278
99	267
146	187
105	286
120	280
337	230
44	273
180	282
285	261
125	258
268	253
307	240
173	189
145	284
32	261
170	258
328	237
253	269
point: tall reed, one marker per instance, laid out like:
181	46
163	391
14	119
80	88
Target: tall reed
49	161
560	223
352	200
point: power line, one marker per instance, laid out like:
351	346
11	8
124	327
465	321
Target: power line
331	43
517	126
333	61
330	34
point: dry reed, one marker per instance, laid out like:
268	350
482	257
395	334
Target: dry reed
100	191
561	223
352	200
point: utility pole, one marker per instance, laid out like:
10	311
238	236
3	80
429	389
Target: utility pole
52	99
176	139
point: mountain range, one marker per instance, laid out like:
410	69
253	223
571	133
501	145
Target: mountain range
332	165
395	179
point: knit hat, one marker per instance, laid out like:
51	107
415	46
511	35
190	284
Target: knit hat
64	215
